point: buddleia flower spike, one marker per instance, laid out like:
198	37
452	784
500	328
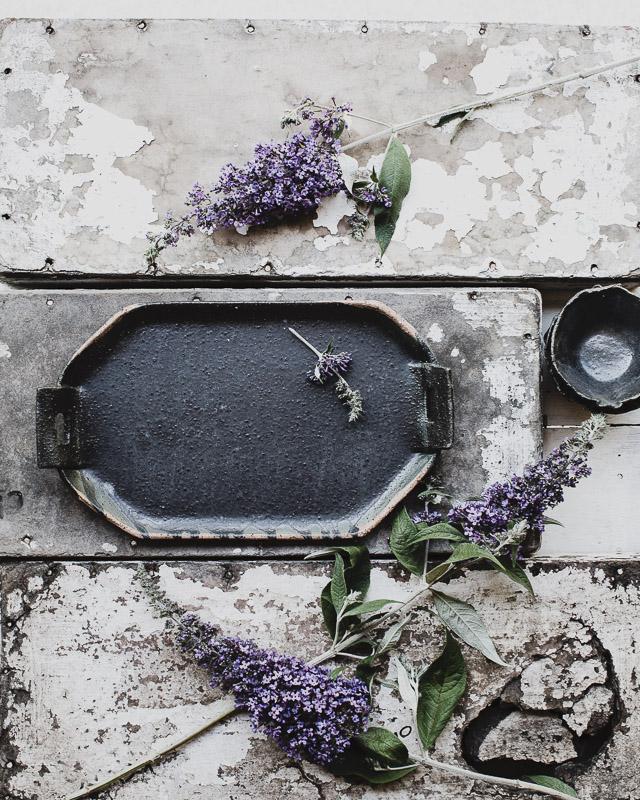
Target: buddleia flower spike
332	366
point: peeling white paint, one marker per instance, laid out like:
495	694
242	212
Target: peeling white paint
435	333
4	350
510	64
426	59
32	160
332	210
323	243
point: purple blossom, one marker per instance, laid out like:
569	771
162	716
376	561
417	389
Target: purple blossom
427	517
527	497
306	712
330	365
284	180
374	194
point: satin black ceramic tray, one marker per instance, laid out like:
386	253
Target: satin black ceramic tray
196	420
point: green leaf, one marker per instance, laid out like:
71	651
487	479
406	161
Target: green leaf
384	746
440	688
395	177
518	575
402	543
357	565
371	755
552	521
441	530
467	551
551	783
337	671
328	611
462	619
339	589
439	571
368	608
392	636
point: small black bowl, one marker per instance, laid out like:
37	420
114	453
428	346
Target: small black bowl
593	349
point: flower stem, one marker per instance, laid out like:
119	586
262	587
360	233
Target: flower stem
224	708
510	783
355	116
500	98
304	341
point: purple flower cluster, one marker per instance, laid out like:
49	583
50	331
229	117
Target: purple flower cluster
374	194
427	517
330	365
526	497
285	179
306	712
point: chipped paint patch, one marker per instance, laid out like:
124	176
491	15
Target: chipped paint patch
46	121
512	64
4	350
426	59
332	210
435	333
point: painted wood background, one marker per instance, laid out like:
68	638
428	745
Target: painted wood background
103	126
106	124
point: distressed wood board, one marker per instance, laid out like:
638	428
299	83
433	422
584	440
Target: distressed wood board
488	337
93	681
106	124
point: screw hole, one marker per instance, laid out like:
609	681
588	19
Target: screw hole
48	262
527	336
50	30
364	28
473	295
348	297
7	70
594	269
49	301
482	29
585	30
250	27
142	25
6	216
404	732
492	265
196	299
637	224
133	543
636	78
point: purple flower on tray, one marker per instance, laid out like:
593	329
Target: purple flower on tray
306	712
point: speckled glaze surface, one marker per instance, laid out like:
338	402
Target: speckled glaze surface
593	349
198	420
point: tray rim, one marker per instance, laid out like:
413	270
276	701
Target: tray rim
362	524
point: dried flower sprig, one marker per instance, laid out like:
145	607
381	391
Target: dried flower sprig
332	366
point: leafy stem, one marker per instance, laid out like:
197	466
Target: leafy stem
509	783
438	117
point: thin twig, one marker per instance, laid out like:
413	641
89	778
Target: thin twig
355	116
304	341
224	708
510	783
500	98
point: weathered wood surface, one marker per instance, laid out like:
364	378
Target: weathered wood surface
93	681
488	337
106	124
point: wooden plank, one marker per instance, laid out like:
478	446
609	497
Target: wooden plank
93	680
107	124
488	337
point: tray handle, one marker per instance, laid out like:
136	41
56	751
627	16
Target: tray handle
434	407
57	427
